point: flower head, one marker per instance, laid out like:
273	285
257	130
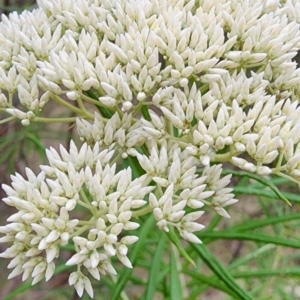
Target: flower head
180	87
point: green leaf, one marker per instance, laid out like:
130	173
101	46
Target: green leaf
175	282
249	190
175	240
133	162
212	280
291	272
252	255
255	237
154	270
261	180
206	282
265	222
145	112
220	271
214	222
137	250
38	144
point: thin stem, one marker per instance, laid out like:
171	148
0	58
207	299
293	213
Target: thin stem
179	269
179	140
71	107
123	293
84	204
80	231
279	161
93	101
84	197
144	211
7	120
224	157
81	106
285	176
254	65
169	127
147	209
84	223
137	109
10	99
115	160
54	120
98	103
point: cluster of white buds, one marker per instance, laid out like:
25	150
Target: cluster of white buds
176	88
46	219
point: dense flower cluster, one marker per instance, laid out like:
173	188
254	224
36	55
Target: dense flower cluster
180	87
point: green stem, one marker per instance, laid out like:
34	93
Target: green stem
54	120
116	159
71	107
224	157
93	101
144	211
179	140
215	221
84	197
285	176
137	109
183	290
80	231
7	120
87	206
10	99
123	293
279	162
148	209
81	105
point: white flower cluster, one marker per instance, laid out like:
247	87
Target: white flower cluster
179	87
45	220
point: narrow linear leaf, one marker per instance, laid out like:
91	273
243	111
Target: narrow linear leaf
145	112
134	165
275	180
124	276
266	239
218	269
261	180
252	255
209	282
175	282
265	222
214	222
38	144
212	280
21	289
249	190
268	273
154	270
175	240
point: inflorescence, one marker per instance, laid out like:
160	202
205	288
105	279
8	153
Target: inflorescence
176	87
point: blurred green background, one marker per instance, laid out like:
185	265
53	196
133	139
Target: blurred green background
7	6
